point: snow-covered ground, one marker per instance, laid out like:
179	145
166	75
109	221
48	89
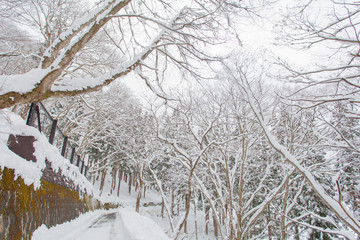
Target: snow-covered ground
123	223
153	210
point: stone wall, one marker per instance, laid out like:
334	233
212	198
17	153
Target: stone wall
23	209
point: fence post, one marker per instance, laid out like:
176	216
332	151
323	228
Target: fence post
38	116
72	155
31	116
63	150
82	167
52	132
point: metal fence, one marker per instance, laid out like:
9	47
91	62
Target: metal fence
40	118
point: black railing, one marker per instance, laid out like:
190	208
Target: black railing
40	118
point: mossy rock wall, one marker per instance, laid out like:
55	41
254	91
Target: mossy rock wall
23	209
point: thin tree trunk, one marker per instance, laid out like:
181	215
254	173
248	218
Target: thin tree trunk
216	233
207	218
228	205
187	205
178	209
113	180
138	198
98	175
120	177
130	179
140	185
94	178
102	182
163	197
297	237
172	202
268	219
162	208
196	224
283	216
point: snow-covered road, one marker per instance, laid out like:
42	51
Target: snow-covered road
123	224
106	226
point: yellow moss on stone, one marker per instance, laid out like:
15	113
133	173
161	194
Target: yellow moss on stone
50	204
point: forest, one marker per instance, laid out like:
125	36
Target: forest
251	112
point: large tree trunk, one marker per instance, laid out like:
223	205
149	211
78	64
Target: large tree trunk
56	63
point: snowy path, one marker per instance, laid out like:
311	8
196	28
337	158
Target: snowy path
120	224
107	226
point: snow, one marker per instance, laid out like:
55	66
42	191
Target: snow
74	84
141	227
21	83
71	84
68	229
114	224
347	217
31	172
124	223
77	25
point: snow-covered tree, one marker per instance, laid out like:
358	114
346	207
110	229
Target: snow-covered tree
141	37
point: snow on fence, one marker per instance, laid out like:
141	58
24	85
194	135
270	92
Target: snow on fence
40	118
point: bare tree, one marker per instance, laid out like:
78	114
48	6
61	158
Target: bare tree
295	162
145	37
332	33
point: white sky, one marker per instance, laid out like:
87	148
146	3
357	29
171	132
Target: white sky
255	36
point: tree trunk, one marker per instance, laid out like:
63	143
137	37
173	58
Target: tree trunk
216	233
130	179
207	217
162	208
172	202
138	198
120	177
94	178
196	224
102	182
268	219
113	179
135	176
297	237
178	209
187	205
283	216
140	185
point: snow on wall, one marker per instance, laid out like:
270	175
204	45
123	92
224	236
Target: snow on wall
31	172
